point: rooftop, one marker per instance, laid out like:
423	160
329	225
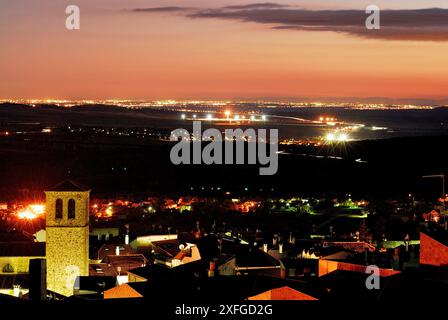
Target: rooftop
110	249
69	186
22	249
123	263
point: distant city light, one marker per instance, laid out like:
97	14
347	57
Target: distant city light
327	119
252	118
194	116
109	212
330	137
340	137
27	214
31	212
263	117
209	116
343	137
37	208
237	117
183	116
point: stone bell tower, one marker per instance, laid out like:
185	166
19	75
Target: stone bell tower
67	228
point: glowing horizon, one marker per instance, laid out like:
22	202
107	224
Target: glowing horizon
165	53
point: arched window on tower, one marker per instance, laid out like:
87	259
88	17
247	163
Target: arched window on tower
58	211
71	209
8	268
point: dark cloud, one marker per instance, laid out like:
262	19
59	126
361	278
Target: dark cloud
163	9
420	25
401	34
264	5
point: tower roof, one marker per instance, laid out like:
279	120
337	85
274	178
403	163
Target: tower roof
70	186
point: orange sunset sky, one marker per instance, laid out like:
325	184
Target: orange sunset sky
144	49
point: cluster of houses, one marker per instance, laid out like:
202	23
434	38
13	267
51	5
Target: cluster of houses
195	265
71	260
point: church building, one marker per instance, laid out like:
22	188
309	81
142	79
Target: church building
67	243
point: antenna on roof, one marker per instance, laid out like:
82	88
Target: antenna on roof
126	237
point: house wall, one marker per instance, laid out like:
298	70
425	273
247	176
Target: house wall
135	278
19	264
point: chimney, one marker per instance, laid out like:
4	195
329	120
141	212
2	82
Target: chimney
211	270
406	242
17	291
126	237
38	279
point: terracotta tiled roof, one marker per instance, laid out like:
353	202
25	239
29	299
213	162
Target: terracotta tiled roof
122	291
432	252
328	266
283	293
180	255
